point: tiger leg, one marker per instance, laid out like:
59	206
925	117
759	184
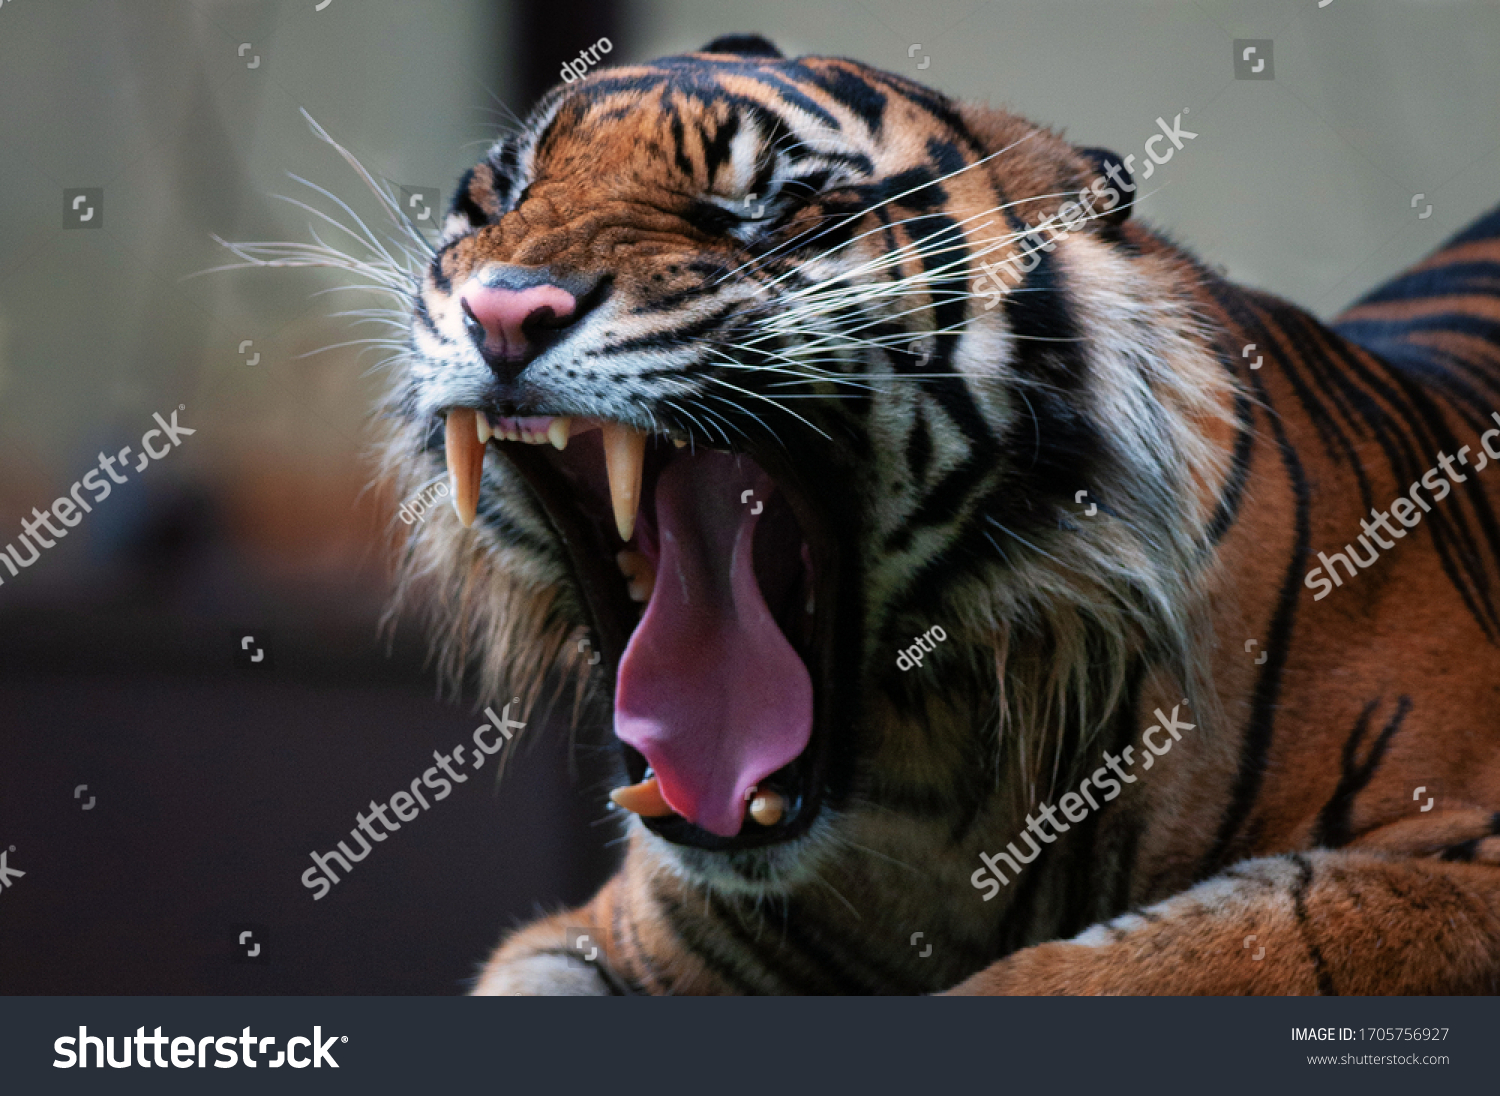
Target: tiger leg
1321	922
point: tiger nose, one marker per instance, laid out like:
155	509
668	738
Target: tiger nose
504	322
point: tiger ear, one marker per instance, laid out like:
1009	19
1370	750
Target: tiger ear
743	45
1107	173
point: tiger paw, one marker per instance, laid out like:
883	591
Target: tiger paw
541	975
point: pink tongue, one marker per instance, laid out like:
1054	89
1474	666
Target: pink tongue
709	690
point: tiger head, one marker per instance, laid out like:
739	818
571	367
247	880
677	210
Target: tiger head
776	394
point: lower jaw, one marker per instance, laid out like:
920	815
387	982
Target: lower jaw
799	784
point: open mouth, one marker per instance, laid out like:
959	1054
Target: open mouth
709	582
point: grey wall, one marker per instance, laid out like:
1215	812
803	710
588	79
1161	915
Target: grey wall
153	102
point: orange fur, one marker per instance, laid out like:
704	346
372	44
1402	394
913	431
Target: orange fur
1286	816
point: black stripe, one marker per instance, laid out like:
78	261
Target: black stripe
1426	431
1299	912
934	103
424	318
1356	407
1486	228
696	935
803	982
673	301
1463	854
504	168
696	79
858	96
644	959
463	202
1471	277
1020	924
679	146
1053	448
1227	511
918	446
1126	836
862	972
1376	335
1333	826
1091	865
1258	734
1452	534
716	149
673	336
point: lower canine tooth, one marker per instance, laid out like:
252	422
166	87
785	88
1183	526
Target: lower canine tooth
465	455
644	799
767	807
641	575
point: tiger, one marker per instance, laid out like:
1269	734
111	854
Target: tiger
903	501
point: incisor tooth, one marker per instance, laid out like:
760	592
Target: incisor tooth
624	457
465	461
644	799
557	433
482	425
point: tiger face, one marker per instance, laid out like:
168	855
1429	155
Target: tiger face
732	423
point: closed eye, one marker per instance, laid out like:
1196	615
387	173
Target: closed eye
713	219
754	213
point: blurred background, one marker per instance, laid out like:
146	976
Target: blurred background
123	663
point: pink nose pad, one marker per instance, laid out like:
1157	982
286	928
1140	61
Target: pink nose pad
504	314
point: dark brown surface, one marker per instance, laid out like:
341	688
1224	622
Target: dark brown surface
212	784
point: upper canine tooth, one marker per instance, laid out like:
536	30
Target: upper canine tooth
482	425
465	461
624	457
557	433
